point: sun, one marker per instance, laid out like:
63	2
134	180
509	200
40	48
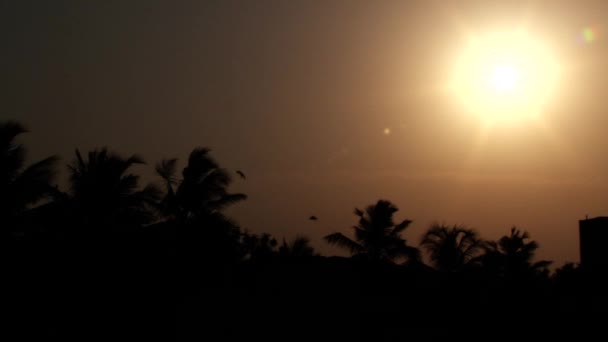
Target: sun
506	76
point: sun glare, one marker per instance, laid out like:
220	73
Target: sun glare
504	77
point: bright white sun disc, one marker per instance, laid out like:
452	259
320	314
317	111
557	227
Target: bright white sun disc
504	76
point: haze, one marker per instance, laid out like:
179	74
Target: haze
325	105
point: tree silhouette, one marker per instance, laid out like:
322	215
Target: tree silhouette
451	249
103	194
192	207
568	278
20	186
256	247
512	255
202	191
298	247
377	237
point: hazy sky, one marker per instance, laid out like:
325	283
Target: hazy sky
298	95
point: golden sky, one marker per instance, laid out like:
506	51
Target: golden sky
326	105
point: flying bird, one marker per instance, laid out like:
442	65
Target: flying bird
240	173
313	218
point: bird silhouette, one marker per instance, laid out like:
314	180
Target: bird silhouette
313	218
240	173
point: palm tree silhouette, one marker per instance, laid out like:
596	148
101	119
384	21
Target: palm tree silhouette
377	237
202	191
298	247
104	194
256	247
20	186
512	255
192	208
451	249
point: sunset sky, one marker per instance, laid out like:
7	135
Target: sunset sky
331	105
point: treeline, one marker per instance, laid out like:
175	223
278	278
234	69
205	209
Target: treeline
111	256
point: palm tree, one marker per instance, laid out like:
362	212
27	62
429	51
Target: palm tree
512	255
298	247
258	246
202	191
192	208
451	248
20	186
377	237
103	194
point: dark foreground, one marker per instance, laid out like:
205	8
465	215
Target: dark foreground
147	291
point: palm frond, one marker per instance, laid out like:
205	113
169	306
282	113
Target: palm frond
134	159
338	239
12	155
34	182
404	251
166	169
358	212
401	226
199	164
81	165
539	265
225	201
9	130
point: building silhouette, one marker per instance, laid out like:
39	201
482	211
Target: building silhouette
593	236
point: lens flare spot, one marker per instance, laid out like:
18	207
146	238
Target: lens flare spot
589	35
387	131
